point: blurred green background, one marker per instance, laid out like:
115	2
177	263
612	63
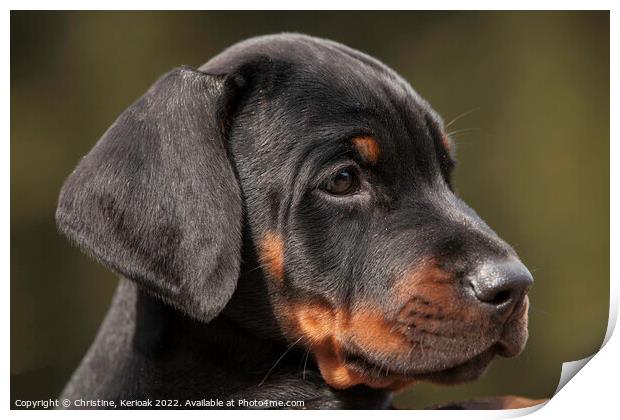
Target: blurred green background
534	158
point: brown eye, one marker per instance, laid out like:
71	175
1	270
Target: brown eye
341	183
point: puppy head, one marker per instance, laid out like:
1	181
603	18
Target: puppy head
370	260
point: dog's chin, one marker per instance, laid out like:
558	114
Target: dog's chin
355	369
382	376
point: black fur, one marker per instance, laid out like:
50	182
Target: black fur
145	202
179	193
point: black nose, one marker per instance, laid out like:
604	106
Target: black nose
501	285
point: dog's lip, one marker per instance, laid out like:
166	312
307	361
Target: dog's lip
364	366
515	333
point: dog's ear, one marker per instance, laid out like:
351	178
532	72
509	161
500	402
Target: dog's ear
157	199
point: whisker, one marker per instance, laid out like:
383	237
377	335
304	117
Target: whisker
461	131
537	311
303	375
278	361
462	115
460	144
251	270
413	345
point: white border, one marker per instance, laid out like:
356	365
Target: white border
592	393
313	5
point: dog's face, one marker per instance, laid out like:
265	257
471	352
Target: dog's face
370	260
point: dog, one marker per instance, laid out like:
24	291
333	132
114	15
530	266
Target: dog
284	227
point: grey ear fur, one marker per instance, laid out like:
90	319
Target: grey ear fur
157	199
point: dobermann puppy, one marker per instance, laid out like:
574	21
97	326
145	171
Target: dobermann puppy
284	226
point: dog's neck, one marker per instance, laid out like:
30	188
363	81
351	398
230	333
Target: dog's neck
147	349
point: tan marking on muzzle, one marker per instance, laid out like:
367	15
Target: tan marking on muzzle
430	284
324	329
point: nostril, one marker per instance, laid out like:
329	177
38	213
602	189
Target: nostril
496	296
500	298
501	284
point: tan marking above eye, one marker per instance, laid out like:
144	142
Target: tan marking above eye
368	148
271	254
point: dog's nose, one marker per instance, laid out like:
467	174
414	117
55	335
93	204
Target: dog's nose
501	285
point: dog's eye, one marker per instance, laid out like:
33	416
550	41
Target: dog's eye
342	182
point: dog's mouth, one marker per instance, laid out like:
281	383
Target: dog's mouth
352	368
351	365
393	378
